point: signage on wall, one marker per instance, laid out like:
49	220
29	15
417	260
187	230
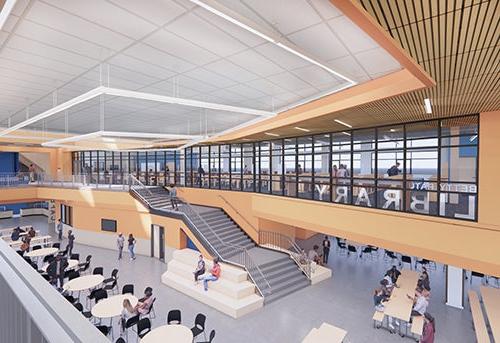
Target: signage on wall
52	212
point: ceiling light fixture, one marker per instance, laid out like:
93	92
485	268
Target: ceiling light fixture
346	133
271	134
473	138
342	123
428	105
7	8
392	130
302	129
249	26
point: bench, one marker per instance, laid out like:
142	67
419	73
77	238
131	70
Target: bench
378	317
417	325
478	318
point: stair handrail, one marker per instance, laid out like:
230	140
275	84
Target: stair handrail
247	262
280	242
135	182
238	212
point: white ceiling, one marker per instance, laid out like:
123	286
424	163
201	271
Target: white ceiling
174	48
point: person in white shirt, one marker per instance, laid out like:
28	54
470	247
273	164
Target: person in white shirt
128	312
120	243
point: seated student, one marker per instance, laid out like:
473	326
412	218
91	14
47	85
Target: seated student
145	303
128	312
390	284
314	256
393	273
14	236
31	232
213	276
429	329
424	281
420	302
381	294
26	243
200	269
303	257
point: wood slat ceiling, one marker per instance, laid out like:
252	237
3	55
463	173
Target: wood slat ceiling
456	41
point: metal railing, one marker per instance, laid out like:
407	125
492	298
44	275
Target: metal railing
280	242
135	183
241	258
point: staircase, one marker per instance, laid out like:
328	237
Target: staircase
273	272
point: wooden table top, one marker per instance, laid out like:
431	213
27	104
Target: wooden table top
326	333
399	305
491	301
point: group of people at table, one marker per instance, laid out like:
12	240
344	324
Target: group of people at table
420	298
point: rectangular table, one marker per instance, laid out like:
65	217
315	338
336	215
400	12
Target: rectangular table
399	305
491	301
325	334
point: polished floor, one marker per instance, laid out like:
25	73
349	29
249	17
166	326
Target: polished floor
344	301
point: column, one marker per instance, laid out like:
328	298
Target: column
455	287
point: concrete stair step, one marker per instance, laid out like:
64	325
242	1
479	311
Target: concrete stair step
278	295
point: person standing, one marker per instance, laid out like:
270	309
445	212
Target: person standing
71	241
56	270
173	197
120	242
131	246
326	249
31	170
429	329
59	229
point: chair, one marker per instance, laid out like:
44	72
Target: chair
86	314
92	295
130	323
143	327
84	266
73	275
106	330
75	257
112	282
341	247
476	274
128	289
27	259
100	294
199	325
352	249
70	298
389	255
407	259
36	247
98	271
120	340
366	250
56	245
48	259
174	316
423	262
212	335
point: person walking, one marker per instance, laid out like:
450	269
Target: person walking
131	246
326	249
120	242
31	170
56	269
59	229
71	241
173	197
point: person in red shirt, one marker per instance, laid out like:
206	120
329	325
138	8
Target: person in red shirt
213	276
429	329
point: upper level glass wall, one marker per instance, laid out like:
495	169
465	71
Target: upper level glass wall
427	167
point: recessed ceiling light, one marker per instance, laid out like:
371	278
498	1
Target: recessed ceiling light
246	139
271	134
346	133
327	136
428	105
392	130
302	129
341	122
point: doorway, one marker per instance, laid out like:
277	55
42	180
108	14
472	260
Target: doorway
158	242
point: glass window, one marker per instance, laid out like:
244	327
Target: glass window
321	172
277	179
264	167
214	166
224	166
248	167
236	169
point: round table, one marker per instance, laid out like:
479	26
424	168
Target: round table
83	282
42	252
112	306
72	264
169	333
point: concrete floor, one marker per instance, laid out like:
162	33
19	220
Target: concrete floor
344	301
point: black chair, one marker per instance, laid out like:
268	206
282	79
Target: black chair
366	250
86	314
174	317
199	325
151	312
56	245
390	255
70	298
112	282
114	274
423	262
111	286
84	266
476	274
352	249
27	259
36	247
212	335
48	258
73	275
130	323
100	294
143	327
128	289
92	295
407	259
106	330
98	271
75	257
120	340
